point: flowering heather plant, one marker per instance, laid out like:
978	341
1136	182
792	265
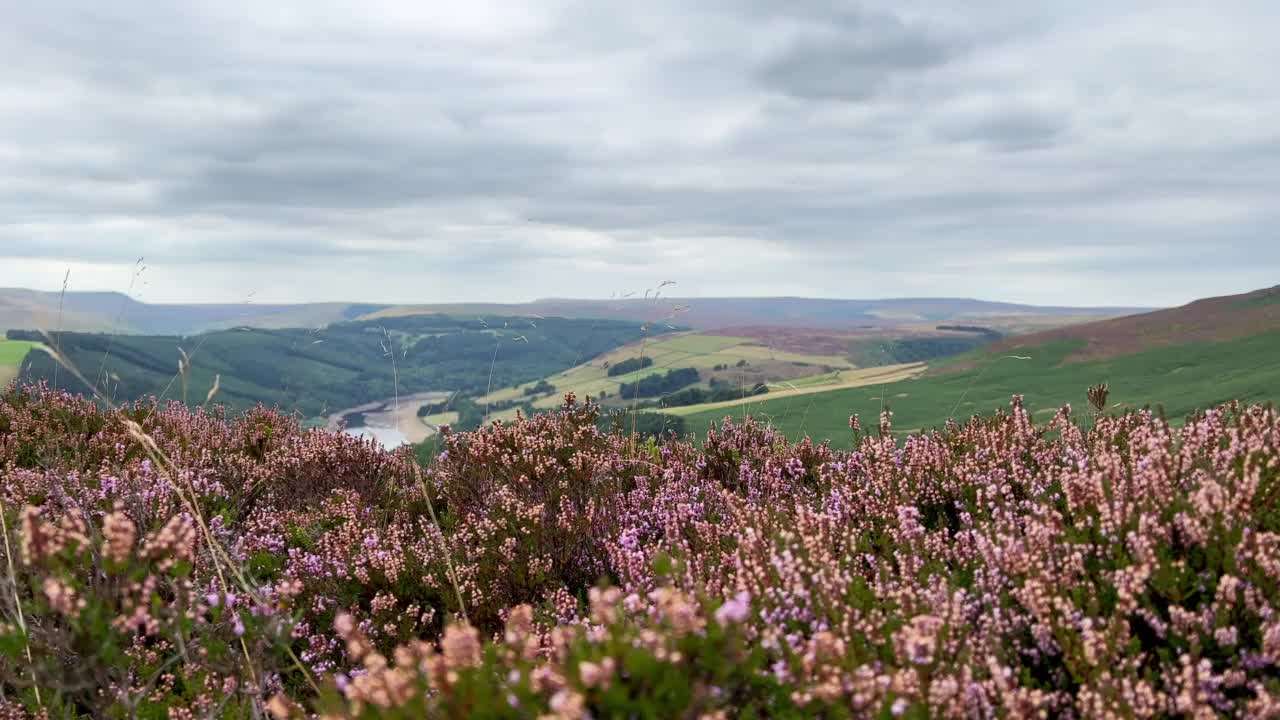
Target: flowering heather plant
999	568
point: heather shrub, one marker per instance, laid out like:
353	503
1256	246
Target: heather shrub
547	568
531	507
115	623
660	656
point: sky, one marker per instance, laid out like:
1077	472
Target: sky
1068	153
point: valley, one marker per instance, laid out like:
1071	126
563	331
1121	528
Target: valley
315	373
466	370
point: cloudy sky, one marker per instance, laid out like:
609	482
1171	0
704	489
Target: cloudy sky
1075	152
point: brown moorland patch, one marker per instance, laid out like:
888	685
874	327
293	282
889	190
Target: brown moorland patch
1209	320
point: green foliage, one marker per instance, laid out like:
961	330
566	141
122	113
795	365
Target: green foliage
979	329
340	366
718	392
630	365
647	424
659	384
542	387
909	350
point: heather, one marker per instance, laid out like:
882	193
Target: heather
165	562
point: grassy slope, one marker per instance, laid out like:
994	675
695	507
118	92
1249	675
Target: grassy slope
12	353
827	382
686	350
1180	378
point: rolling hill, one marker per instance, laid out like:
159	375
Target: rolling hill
715	313
22	309
114	312
786	361
320	371
1209	320
1182	359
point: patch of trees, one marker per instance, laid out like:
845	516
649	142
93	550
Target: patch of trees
661	384
647	424
978	329
542	387
630	365
908	350
717	393
470	413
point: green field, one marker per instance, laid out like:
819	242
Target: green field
12	353
1180	379
694	350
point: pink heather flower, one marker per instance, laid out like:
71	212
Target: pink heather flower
735	610
212	599
461	646
596	674
1227	636
568	704
238	627
62	597
119	534
899	706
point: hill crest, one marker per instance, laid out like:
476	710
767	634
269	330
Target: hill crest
1215	319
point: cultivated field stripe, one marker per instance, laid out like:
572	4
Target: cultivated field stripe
870	376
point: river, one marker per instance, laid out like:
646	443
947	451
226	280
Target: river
392	422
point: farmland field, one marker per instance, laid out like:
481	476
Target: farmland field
704	352
827	382
12	353
1181	379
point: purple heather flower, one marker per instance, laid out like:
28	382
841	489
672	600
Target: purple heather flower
735	610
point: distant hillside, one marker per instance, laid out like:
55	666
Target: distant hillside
116	312
1183	359
713	313
321	371
1209	320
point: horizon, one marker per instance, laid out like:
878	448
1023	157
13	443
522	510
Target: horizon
631	297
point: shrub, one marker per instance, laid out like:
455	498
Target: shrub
995	568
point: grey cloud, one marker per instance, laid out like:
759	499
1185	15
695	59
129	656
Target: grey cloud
755	137
1012	129
851	55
